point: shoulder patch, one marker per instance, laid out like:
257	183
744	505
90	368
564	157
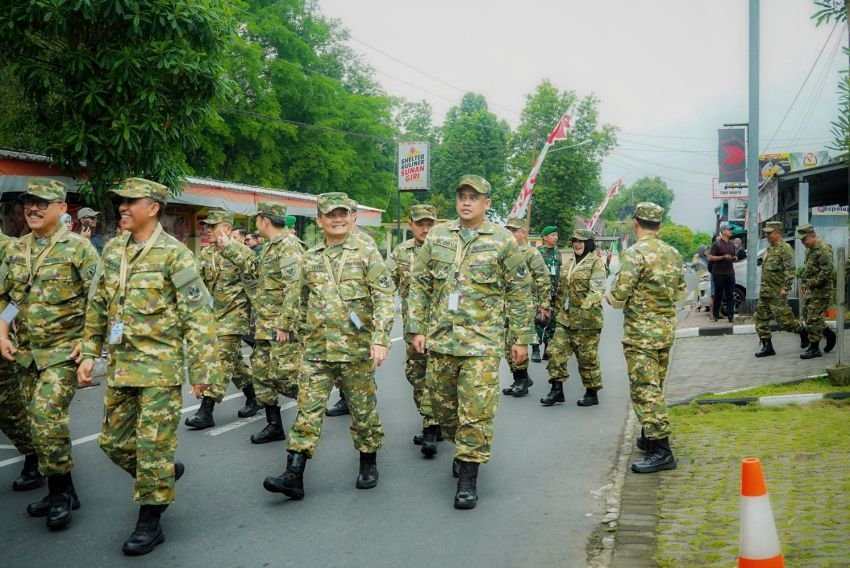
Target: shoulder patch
184	276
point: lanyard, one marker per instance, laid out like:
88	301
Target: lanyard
460	254
126	264
573	268
336	277
41	257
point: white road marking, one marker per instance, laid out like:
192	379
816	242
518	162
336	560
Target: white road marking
242	421
396	339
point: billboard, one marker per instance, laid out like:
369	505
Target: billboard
414	166
732	155
803	160
771	165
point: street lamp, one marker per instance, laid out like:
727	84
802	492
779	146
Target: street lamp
582	143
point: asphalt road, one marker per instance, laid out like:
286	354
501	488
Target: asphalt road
535	502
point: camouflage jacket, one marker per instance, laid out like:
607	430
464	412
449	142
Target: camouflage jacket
552	258
493	286
403	257
52	311
541	283
166	303
578	303
651	280
358	293
276	272
230	287
777	270
818	274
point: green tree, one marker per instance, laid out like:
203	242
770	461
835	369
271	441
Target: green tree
120	85
679	237
700	238
20	125
645	189
828	11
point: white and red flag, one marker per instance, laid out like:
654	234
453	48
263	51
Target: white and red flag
615	189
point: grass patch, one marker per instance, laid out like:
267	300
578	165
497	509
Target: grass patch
809	386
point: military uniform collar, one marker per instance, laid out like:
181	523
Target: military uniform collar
485	228
648	236
61	234
410	243
349	243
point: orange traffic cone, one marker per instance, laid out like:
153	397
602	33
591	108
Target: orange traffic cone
759	544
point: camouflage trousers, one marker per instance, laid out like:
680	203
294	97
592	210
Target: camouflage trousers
356	380
510	341
139	434
584	343
465	395
50	392
276	366
814	315
647	372
545	334
14	419
414	369
775	309
233	364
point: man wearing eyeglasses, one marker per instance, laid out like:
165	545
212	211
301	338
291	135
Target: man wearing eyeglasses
43	285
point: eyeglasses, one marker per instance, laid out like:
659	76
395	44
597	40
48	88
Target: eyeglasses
41	204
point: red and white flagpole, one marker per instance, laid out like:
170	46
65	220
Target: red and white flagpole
559	133
611	193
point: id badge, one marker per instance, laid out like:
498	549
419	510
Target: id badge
355	320
10	312
454	301
553	270
116	333
567	303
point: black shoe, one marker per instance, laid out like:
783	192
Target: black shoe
830	340
556	394
766	349
804	336
273	431
812	352
417	439
251	407
535	354
42	507
148	532
203	418
429	441
291	481
368	476
546	353
590	398
338	409
524	382
29	478
517	382
60	501
466	496
179	470
659	457
642	442
455	468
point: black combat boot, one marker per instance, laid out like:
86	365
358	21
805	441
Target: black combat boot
642	442
42	508
291	481
60	499
251	405
417	439
367	478
524	382
467	486
516	384
535	354
546	351
556	394
455	468
766	349
203	418
273	431
148	532
804	336
830	340
30	478
429	441
590	398
812	352
659	457
338	409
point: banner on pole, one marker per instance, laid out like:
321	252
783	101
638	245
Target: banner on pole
599	210
559	133
732	155
414	166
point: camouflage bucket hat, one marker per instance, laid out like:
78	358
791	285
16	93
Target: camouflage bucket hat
272	209
327	202
217	216
804	231
139	187
47	189
516	223
648	211
477	183
771	226
583	235
423	211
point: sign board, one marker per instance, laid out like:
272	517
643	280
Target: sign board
728	191
803	160
829	210
414	166
732	155
772	165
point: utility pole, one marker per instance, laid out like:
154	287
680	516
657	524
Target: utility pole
753	157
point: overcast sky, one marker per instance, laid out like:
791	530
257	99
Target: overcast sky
668	73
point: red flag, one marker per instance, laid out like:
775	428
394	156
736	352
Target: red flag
560	132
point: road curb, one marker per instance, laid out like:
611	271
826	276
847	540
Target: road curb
745	329
776	400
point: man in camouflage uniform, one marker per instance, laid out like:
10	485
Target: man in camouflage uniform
422	219
650	282
578	321
14	420
777	275
46	275
346	313
817	285
230	288
147	299
545	327
277	353
468	280
541	286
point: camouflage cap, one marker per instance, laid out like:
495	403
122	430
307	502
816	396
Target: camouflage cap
327	202
477	183
140	187
516	223
217	216
649	211
548	230
271	209
771	226
583	235
804	231
423	211
46	188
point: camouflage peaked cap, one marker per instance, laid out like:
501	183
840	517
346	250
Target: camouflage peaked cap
217	216
649	211
477	183
327	202
583	235
140	187
271	209
516	223
46	188
423	211
804	231
771	226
